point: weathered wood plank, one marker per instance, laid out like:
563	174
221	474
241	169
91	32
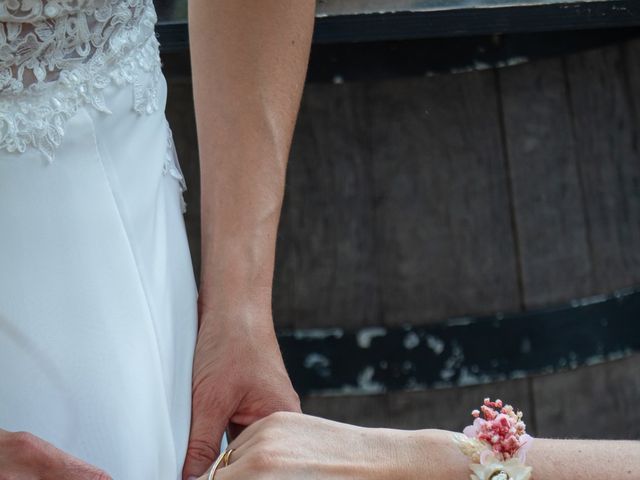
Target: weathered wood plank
631	55
606	145
442	224
451	408
591	402
448	408
325	254
363	410
547	196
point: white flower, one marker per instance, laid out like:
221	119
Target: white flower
493	469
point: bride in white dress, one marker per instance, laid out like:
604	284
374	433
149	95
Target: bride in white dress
95	266
105	341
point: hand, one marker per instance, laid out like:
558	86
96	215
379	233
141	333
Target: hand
24	456
238	378
291	446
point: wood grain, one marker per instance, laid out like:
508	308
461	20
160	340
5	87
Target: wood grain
442	220
325	274
448	408
606	146
547	197
592	402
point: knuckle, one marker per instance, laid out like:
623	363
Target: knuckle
100	475
200	450
29	449
277	417
265	437
260	424
280	417
294	396
22	439
75	468
262	460
26	444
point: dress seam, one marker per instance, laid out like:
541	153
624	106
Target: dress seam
139	277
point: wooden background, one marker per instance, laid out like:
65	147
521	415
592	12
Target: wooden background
412	200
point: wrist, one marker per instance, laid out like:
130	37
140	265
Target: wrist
246	321
239	261
430	454
402	454
391	457
240	316
235	301
233	279
235	287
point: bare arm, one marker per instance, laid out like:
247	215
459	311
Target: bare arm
290	446
551	459
249	61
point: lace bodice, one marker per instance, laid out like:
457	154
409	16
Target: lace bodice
59	55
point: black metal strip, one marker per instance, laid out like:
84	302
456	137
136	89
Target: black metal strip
570	15
368	61
463	351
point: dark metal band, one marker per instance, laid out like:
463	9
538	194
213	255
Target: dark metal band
480	20
463	351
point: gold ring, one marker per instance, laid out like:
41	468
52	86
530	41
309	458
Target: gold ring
227	456
222	458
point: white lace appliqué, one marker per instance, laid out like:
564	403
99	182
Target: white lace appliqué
59	55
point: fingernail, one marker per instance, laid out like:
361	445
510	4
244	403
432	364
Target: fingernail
192	478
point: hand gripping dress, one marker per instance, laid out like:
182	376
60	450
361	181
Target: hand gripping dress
98	300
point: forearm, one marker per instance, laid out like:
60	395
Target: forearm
432	452
249	61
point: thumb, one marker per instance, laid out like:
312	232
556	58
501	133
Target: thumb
204	442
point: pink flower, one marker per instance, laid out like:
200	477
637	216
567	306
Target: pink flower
501	431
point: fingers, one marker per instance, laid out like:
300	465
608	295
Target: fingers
258	429
231	472
246	434
249	462
204	448
50	462
75	469
204	442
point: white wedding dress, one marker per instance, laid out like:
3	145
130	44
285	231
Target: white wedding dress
98	300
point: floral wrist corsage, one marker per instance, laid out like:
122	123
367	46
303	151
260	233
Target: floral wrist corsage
497	444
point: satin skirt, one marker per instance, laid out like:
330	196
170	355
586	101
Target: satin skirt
98	300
